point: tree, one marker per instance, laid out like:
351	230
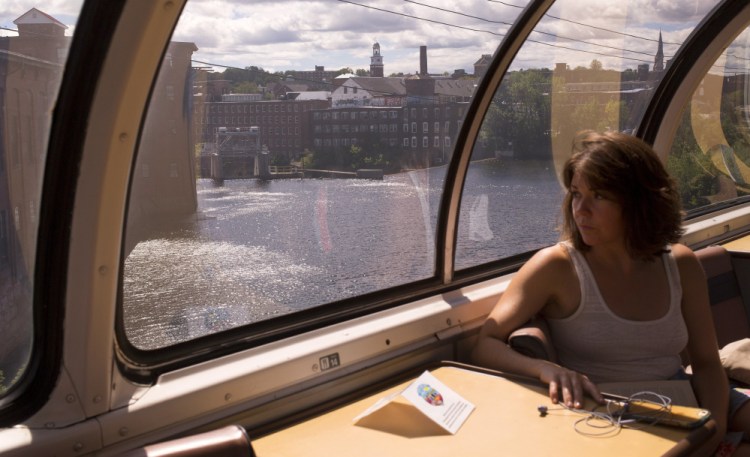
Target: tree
245	87
362	72
596	65
520	114
259	76
696	176
237	75
611	118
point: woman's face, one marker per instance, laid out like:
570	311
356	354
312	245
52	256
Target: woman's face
597	214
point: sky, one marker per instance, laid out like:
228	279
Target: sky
279	35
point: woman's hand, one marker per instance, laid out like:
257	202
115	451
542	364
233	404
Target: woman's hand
568	385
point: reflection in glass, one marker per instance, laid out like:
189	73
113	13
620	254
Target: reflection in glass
32	55
710	157
297	163
587	65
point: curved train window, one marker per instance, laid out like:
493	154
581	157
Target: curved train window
587	65
294	163
34	45
710	157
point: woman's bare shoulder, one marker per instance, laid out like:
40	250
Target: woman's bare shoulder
549	281
680	250
684	255
552	262
555	254
688	264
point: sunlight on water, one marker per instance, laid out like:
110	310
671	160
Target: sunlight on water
257	250
212	286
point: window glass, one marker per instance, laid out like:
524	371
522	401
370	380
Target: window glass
232	226
587	65
34	43
710	157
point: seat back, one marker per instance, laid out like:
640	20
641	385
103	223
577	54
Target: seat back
532	340
727	307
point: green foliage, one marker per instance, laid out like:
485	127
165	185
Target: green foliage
369	153
519	117
245	87
327	159
236	75
307	159
693	171
279	159
734	125
361	159
249	75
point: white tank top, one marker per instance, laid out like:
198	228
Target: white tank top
607	348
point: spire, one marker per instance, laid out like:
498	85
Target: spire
659	59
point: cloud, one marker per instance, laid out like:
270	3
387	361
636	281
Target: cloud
298	34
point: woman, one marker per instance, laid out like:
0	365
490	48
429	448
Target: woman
621	297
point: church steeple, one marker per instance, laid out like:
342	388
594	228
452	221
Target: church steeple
659	59
376	61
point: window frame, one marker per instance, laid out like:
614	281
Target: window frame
146	366
67	134
684	75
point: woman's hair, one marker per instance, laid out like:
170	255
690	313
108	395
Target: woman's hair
630	170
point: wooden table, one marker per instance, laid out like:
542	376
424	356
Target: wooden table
738	245
505	422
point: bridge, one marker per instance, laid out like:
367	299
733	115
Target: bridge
238	154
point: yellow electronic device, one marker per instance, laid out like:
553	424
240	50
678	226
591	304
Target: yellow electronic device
674	415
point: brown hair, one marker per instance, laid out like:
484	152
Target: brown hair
628	168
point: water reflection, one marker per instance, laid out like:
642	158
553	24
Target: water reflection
257	250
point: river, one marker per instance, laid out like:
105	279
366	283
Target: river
260	249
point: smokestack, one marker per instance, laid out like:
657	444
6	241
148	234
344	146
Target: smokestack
423	60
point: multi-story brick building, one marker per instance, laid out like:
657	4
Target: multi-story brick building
413	120
30	67
420	134
283	124
318	79
369	91
340	128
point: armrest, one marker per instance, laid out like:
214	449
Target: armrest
229	441
533	340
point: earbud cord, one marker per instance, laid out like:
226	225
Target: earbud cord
613	420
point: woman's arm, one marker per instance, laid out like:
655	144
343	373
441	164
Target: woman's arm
543	283
709	379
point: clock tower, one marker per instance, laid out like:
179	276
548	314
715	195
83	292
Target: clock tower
376	62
